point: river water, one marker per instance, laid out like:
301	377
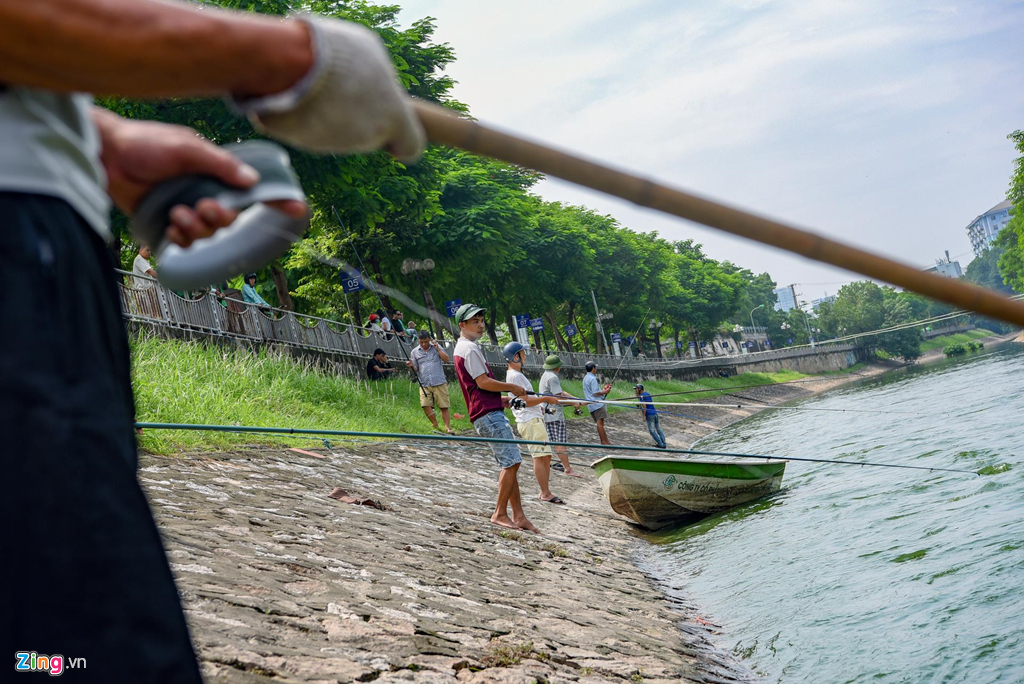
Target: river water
872	574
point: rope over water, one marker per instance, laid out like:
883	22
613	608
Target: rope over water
525	442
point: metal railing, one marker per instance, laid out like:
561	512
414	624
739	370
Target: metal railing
144	299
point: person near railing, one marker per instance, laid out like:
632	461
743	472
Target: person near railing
387	330
399	325
249	293
142	267
378	367
426	360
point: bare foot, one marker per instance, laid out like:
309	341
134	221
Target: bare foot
504	521
526	525
573	473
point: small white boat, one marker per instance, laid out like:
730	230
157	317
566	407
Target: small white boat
655	492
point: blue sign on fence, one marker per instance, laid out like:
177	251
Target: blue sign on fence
616	337
523	320
679	345
536	324
351	281
570	330
452	306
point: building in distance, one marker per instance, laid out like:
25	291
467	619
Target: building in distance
785	298
983	230
946	268
815	303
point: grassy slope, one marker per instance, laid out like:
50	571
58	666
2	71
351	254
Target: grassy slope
940	342
182	382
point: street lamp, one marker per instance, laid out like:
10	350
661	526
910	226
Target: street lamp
752	326
806	322
416	267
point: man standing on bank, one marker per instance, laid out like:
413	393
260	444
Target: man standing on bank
102	590
650	416
594	393
554	419
487	413
530	419
426	359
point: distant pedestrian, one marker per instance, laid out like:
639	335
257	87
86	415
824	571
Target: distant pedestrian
410	330
650	416
426	359
249	293
398	324
374	323
385	324
378	367
142	267
554	418
530	420
482	393
595	394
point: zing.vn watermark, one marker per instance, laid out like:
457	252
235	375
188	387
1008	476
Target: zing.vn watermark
30	661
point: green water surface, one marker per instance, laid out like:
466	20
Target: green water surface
867	574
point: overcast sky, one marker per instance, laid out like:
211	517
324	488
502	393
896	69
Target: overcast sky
876	122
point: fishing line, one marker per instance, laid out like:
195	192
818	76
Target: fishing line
623	359
773	408
495	440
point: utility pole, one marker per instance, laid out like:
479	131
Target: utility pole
600	328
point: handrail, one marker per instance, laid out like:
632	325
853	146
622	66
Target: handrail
157	304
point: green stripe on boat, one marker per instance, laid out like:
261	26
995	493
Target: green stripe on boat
670	466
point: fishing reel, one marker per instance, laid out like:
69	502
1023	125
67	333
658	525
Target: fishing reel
517	403
259	235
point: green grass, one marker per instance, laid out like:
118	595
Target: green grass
940	342
189	382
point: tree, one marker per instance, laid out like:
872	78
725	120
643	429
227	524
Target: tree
1011	238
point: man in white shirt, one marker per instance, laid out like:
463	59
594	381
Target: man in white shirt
142	267
554	419
530	420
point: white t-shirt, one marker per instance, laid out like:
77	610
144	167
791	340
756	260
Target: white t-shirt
530	412
140	267
550	383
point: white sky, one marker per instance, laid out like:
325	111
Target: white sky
876	122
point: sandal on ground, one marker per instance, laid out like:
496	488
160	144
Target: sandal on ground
554	500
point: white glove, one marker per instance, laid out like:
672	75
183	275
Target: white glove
349	102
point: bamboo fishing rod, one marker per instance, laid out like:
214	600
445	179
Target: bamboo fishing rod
445	128
526	442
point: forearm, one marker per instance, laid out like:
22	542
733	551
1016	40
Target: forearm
444	357
148	48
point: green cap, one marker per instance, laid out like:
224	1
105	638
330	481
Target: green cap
552	362
467	311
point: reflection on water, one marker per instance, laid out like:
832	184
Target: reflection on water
868	574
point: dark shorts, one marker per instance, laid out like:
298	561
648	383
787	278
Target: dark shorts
86	572
599	414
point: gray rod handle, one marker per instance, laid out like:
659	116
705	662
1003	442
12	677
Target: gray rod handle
259	235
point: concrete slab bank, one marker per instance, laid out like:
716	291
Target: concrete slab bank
283	584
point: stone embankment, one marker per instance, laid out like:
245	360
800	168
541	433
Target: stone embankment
282	583
937	355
